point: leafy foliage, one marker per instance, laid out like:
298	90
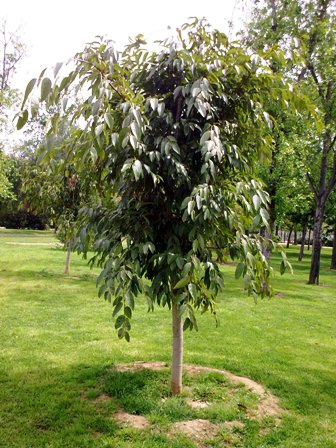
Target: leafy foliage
171	139
306	32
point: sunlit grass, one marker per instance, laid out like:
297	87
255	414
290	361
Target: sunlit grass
58	344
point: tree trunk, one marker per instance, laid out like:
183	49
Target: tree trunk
314	275
295	237
333	256
289	237
304	231
177	358
68	257
266	247
309	237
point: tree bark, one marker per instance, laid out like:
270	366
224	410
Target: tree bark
295	237
289	237
177	357
266	250
304	231
309	237
314	274
333	255
68	257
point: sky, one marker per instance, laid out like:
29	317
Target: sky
54	30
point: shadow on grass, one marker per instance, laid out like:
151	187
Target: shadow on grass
75	407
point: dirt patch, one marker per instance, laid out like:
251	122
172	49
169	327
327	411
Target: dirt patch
196	429
199	429
136	421
139	365
102	398
197	404
268	405
234	424
280	295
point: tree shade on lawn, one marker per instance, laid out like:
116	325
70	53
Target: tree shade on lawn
172	139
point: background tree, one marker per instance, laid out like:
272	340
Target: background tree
5	184
171	138
55	192
308	27
11	52
331	221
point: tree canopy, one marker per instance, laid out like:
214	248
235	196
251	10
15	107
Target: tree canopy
171	138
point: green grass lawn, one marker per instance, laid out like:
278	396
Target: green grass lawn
58	345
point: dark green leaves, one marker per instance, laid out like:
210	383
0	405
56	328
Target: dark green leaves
182	283
45	88
239	270
28	90
172	142
23	117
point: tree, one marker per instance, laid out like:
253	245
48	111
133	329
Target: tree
307	30
5	184
172	138
331	221
11	51
55	192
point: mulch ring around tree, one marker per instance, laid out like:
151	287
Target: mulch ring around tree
215	404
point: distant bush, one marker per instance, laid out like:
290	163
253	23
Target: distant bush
21	219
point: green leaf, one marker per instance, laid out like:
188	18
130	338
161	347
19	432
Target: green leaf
99	129
133	141
256	201
264	216
239	270
28	90
22	119
137	169
136	130
128	312
129	300
120	321
185	202
192	290
160	109
154	103
137	117
45	88
57	68
182	283
187	324
109	120
117	308
41	76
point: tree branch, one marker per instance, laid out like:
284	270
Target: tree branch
102	75
333	141
313	38
311	185
332	180
315	78
274	15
